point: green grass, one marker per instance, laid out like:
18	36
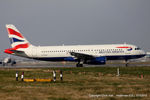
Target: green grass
78	83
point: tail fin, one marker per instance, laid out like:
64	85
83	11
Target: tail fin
17	40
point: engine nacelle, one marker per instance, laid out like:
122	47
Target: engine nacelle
96	61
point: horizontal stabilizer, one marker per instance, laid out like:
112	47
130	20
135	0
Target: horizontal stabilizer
17	51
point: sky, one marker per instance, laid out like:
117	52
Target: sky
77	22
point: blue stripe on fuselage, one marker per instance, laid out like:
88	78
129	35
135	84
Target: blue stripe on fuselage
123	57
56	59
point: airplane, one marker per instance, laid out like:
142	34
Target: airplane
7	61
82	54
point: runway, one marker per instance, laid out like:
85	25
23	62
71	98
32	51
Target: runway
57	65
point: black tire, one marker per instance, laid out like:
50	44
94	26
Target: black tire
79	65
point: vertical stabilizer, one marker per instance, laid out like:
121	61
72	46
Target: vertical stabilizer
17	40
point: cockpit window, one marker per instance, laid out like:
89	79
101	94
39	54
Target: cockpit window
138	48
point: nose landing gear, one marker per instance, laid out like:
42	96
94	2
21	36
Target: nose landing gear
127	63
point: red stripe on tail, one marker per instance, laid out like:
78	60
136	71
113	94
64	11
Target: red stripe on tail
13	32
21	46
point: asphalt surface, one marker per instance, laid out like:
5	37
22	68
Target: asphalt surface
73	65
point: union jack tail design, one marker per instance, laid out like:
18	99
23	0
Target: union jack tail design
17	40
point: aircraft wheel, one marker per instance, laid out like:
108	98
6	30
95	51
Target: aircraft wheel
79	65
126	63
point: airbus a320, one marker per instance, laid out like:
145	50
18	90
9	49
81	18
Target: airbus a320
82	54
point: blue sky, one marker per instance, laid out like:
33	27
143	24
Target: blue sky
69	22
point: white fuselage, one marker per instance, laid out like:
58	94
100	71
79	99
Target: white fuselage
114	50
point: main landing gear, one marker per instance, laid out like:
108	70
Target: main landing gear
79	64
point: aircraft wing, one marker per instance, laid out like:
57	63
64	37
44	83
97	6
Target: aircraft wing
89	59
82	55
